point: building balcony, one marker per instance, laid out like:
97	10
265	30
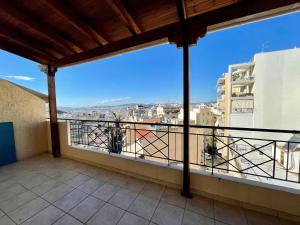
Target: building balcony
242	80
139	180
241	95
221	80
221	89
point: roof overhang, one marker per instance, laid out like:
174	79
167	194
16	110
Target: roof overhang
72	32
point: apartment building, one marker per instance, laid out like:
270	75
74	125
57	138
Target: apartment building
261	94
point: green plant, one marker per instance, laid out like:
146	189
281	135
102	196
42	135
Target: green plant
211	147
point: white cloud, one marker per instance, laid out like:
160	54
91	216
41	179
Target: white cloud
112	100
25	78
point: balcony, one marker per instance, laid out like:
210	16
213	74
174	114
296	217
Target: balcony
242	80
242	96
221	89
103	172
94	183
221	80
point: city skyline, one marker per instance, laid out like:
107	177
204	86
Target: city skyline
154	75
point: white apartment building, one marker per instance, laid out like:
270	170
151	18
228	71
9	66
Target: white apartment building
160	111
263	93
199	115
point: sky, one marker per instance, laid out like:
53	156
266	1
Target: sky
154	75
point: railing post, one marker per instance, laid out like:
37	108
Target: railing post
168	145
134	129
213	156
287	162
50	72
299	172
274	160
186	113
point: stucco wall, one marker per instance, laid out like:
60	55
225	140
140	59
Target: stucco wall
249	194
277	96
27	112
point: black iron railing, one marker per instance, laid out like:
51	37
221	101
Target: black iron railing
258	154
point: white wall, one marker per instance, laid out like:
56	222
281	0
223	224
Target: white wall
277	90
241	120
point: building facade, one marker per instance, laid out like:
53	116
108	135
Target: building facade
26	109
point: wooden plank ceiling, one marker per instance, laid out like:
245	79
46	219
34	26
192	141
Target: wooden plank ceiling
65	32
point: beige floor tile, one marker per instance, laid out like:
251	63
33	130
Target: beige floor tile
16	201
191	218
143	206
201	205
166	214
67	220
90	186
134	184
153	190
86	209
123	198
118	179
108	215
46	217
256	218
70	200
90	171
67	175
28	210
106	191
57	192
130	219
5	220
229	214
6	184
11	191
77	180
46	186
174	197
34	180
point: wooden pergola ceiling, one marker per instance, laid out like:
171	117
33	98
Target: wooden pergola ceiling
65	32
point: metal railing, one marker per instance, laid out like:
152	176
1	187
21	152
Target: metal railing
258	154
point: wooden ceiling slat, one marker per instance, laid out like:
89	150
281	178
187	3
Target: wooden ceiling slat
22	44
196	7
28	41
76	21
196	25
151	22
38	27
26	53
120	10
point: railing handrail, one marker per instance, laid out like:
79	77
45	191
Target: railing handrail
194	126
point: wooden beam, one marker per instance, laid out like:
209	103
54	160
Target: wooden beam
26	47
28	42
184	41
119	8
250	10
181	11
50	71
9	47
35	24
76	21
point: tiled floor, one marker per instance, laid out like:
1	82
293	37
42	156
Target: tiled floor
44	191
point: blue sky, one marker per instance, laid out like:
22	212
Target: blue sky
154	75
